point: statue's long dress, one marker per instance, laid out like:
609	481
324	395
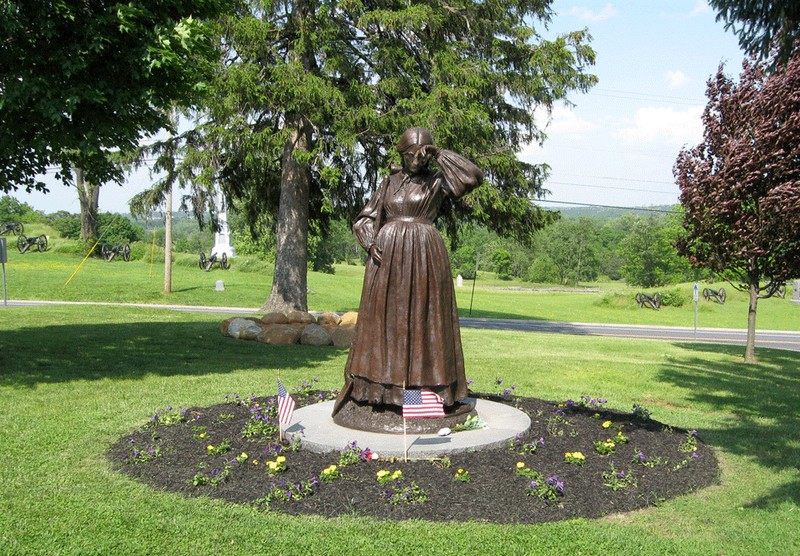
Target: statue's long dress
407	331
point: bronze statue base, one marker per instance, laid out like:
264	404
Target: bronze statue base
389	418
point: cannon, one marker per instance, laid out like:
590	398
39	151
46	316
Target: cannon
207	263
109	252
25	243
717	295
11	228
652	301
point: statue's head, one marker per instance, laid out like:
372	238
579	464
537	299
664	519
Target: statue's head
414	137
412	148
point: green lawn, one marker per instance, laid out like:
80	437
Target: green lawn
74	379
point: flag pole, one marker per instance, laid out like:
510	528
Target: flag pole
280	424
405	441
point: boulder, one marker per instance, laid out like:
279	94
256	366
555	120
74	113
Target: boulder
243	329
351	317
315	335
279	334
274	318
223	326
300	317
342	335
329	319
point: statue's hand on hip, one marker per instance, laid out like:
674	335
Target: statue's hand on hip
375	254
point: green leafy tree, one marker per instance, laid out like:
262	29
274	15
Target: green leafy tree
501	259
80	79
572	246
543	270
610	236
741	186
116	229
475	242
648	252
313	94
762	25
12	210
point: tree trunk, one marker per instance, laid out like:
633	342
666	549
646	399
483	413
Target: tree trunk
289	283
750	349
168	242
291	248
89	197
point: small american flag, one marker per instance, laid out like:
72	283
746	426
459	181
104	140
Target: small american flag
285	404
422	403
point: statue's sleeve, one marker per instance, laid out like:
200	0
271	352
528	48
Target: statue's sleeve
365	228
460	175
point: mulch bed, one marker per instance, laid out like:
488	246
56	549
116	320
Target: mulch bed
656	463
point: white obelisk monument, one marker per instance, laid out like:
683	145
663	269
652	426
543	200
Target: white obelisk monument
222	238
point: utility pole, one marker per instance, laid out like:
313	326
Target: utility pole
168	243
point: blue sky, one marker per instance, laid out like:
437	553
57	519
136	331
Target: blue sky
617	145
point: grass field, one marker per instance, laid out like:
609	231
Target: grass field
73	379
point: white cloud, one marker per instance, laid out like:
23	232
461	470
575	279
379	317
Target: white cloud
665	125
587	14
564	121
700	7
675	79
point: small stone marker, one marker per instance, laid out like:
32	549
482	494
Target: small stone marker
220	286
459	280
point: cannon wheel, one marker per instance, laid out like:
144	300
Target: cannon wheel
202	261
224	264
12	227
41	241
721	295
640	299
706	294
22	242
126	252
105	251
657	300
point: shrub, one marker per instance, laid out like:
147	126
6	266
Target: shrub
673	298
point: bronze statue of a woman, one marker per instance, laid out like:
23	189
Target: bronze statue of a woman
407	333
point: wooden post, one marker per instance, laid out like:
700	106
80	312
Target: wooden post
168	243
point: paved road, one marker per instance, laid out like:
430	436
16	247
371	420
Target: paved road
764	338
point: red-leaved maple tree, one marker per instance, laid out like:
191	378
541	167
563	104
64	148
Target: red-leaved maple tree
740	187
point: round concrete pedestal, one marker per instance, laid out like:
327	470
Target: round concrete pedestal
317	432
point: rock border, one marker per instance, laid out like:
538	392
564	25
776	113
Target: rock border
295	327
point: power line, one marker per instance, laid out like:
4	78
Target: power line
632	95
664	211
611	187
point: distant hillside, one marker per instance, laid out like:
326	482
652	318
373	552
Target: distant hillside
603	213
